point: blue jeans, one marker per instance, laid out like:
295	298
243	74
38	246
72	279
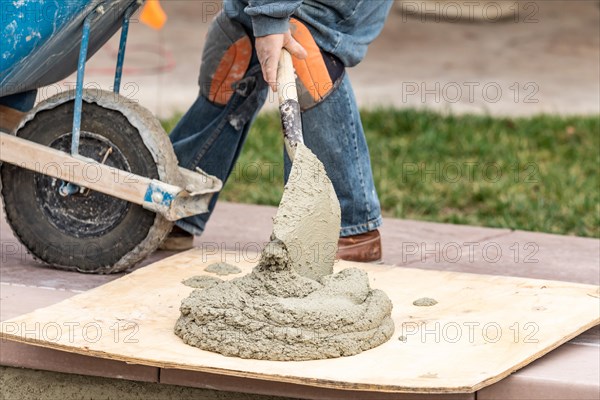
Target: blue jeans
211	137
20	101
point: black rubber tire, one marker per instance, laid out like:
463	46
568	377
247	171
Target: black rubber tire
49	235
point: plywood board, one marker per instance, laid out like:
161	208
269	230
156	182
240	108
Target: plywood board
482	329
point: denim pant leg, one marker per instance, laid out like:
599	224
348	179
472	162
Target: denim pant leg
334	132
20	101
211	137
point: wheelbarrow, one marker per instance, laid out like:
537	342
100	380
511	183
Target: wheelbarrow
90	181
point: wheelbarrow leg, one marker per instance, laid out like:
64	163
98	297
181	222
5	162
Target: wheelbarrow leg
85	39
122	45
68	189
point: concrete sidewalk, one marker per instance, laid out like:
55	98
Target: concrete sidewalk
570	372
541	56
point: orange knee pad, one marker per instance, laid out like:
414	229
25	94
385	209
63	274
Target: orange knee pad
225	60
319	73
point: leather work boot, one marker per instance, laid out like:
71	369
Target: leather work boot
365	247
177	240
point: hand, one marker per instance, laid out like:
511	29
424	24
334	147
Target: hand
268	50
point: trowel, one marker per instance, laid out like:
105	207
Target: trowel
308	218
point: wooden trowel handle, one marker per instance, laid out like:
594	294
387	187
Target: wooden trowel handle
288	103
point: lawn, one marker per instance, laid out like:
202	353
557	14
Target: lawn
536	174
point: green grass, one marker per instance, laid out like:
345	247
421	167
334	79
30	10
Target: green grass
537	174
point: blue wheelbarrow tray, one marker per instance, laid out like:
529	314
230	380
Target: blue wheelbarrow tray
41	39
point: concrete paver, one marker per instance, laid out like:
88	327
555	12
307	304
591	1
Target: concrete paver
27	356
569	372
518	253
407	242
18	299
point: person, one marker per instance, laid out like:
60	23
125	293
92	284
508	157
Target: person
239	63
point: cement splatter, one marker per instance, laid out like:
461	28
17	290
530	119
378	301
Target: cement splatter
222	268
202	282
425	302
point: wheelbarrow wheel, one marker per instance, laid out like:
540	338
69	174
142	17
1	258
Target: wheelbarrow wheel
89	231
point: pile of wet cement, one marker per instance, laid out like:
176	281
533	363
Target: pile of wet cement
274	313
291	306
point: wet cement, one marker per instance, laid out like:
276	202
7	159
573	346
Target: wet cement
274	313
202	281
291	306
222	268
308	217
425	302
